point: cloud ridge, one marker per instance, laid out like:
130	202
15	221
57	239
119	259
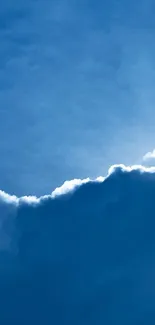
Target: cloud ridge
82	254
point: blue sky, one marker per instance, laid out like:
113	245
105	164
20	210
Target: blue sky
76	89
77	96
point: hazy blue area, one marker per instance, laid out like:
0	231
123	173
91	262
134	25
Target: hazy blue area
76	89
82	258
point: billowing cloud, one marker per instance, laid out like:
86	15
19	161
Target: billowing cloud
149	158
84	257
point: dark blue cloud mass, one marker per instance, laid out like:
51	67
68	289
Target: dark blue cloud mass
85	257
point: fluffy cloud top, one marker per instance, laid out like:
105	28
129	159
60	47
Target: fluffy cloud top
85	257
149	158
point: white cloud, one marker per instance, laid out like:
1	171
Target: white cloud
69	186
149	156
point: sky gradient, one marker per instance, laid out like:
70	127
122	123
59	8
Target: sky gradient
76	89
76	97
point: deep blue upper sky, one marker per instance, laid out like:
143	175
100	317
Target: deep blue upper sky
76	89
